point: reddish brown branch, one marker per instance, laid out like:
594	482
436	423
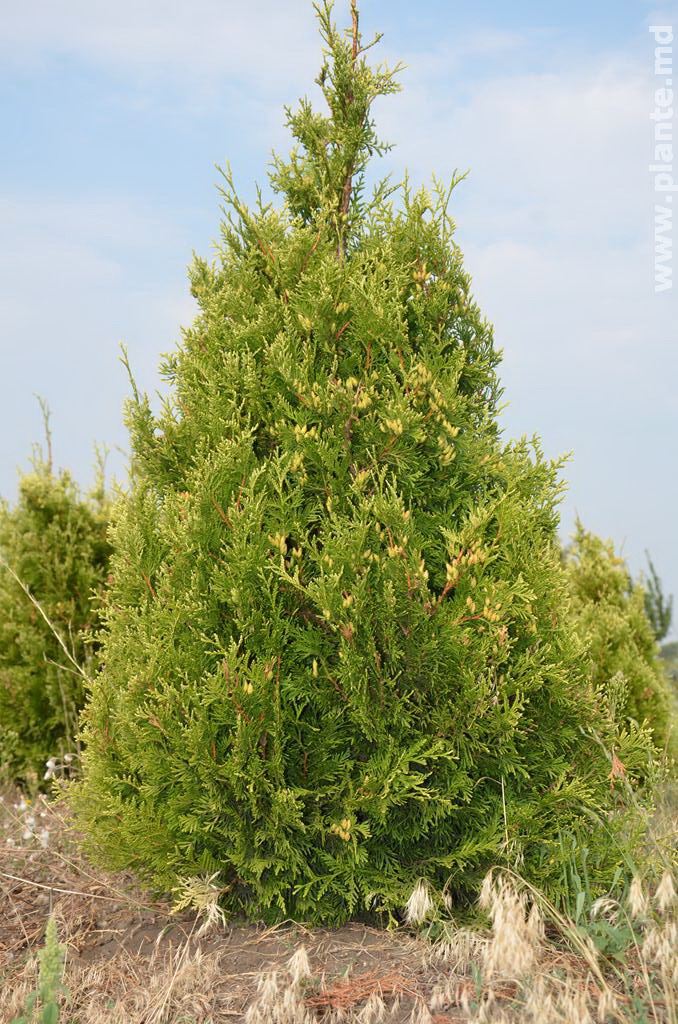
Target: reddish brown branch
222	515
341	330
149	584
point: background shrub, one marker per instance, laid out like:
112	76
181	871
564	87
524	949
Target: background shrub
610	610
53	540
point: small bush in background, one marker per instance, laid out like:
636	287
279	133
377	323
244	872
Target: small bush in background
611	612
53	562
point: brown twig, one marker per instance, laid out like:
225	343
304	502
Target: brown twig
341	330
149	584
220	511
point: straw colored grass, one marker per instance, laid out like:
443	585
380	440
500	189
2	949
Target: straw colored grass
131	959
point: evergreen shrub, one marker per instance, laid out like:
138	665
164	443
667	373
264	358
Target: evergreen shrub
336	656
610	611
53	562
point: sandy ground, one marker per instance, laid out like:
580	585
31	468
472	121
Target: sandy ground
123	950
130	960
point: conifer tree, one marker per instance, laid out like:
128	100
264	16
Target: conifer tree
53	561
658	606
610	611
336	658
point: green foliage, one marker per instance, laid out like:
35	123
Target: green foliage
610	614
53	559
42	1005
669	656
335	654
658	607
612	938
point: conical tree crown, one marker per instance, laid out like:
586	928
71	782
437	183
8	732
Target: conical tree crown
336	655
324	178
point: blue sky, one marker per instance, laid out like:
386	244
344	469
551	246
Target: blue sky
113	117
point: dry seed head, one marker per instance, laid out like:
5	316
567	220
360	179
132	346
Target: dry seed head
442	994
421	1013
666	892
638	904
516	933
459	948
268	999
661	946
290	1008
604	907
487	892
374	1010
535	925
253	1014
299	966
568	1004
419	905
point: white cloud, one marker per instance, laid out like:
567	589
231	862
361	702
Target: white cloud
555	222
78	278
259	41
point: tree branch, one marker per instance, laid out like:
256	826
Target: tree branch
348	183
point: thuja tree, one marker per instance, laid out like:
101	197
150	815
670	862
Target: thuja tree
610	611
335	659
53	560
658	606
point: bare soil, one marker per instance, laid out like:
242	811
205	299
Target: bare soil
119	941
131	960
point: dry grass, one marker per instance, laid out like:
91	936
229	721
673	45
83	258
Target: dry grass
132	960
